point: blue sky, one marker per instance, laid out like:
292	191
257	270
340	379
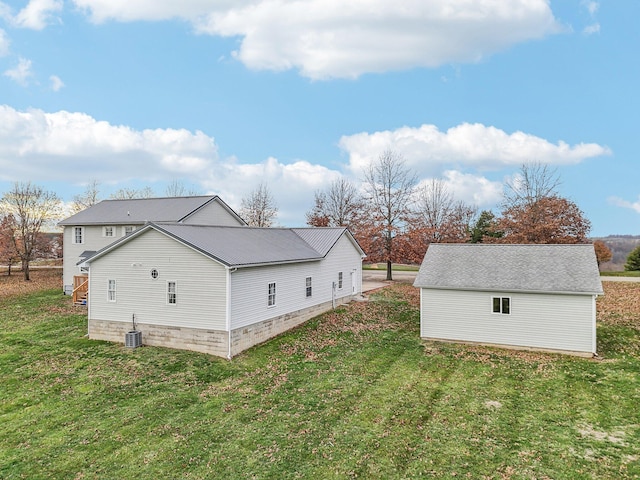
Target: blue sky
222	95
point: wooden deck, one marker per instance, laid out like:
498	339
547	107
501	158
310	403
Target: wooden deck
80	290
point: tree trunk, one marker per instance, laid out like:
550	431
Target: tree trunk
25	269
389	270
9	269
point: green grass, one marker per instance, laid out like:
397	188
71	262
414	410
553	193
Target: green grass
353	393
395	267
633	273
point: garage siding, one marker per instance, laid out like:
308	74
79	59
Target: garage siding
558	322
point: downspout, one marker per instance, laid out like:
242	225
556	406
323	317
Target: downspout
333	295
593	326
229	271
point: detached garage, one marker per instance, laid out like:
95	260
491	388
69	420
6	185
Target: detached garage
523	296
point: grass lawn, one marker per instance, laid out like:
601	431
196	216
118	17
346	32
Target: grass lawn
625	273
395	267
353	393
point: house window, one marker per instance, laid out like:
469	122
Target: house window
111	290
339	279
78	235
154	273
271	299
308	285
128	229
172	293
501	305
108	231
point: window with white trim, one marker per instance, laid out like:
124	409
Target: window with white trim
172	293
308	286
339	280
78	235
108	231
128	229
271	299
501	305
111	290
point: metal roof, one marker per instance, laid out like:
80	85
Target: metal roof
500	267
243	246
321	239
138	211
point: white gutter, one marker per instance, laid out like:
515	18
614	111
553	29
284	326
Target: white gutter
593	326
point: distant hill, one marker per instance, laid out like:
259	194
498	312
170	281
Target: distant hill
620	246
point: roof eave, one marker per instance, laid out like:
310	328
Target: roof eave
510	290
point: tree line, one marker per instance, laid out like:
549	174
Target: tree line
391	215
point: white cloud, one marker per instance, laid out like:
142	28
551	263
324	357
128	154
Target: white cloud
591	6
37	14
67	146
619	202
73	147
338	39
153	10
591	29
4	43
473	189
21	72
56	83
427	149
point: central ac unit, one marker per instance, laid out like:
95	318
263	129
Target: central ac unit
133	339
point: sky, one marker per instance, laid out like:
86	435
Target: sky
222	95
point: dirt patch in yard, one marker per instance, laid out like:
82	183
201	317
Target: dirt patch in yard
41	279
620	304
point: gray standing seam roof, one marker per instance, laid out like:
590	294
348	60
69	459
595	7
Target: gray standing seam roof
138	211
245	246
507	267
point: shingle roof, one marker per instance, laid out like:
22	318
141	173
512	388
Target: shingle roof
139	210
529	268
245	246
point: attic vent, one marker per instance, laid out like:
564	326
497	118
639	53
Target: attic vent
154	273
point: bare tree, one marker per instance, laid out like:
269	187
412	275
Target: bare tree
390	187
88	198
8	253
533	182
32	208
176	188
129	193
339	206
442	218
259	209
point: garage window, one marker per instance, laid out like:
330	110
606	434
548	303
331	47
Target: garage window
501	305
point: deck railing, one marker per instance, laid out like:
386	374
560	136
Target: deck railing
80	289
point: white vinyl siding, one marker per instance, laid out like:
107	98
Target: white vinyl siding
213	214
93	239
560	322
200	283
247	282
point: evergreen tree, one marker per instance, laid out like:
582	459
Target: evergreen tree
633	260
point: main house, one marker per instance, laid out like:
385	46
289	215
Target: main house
524	296
100	225
218	289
